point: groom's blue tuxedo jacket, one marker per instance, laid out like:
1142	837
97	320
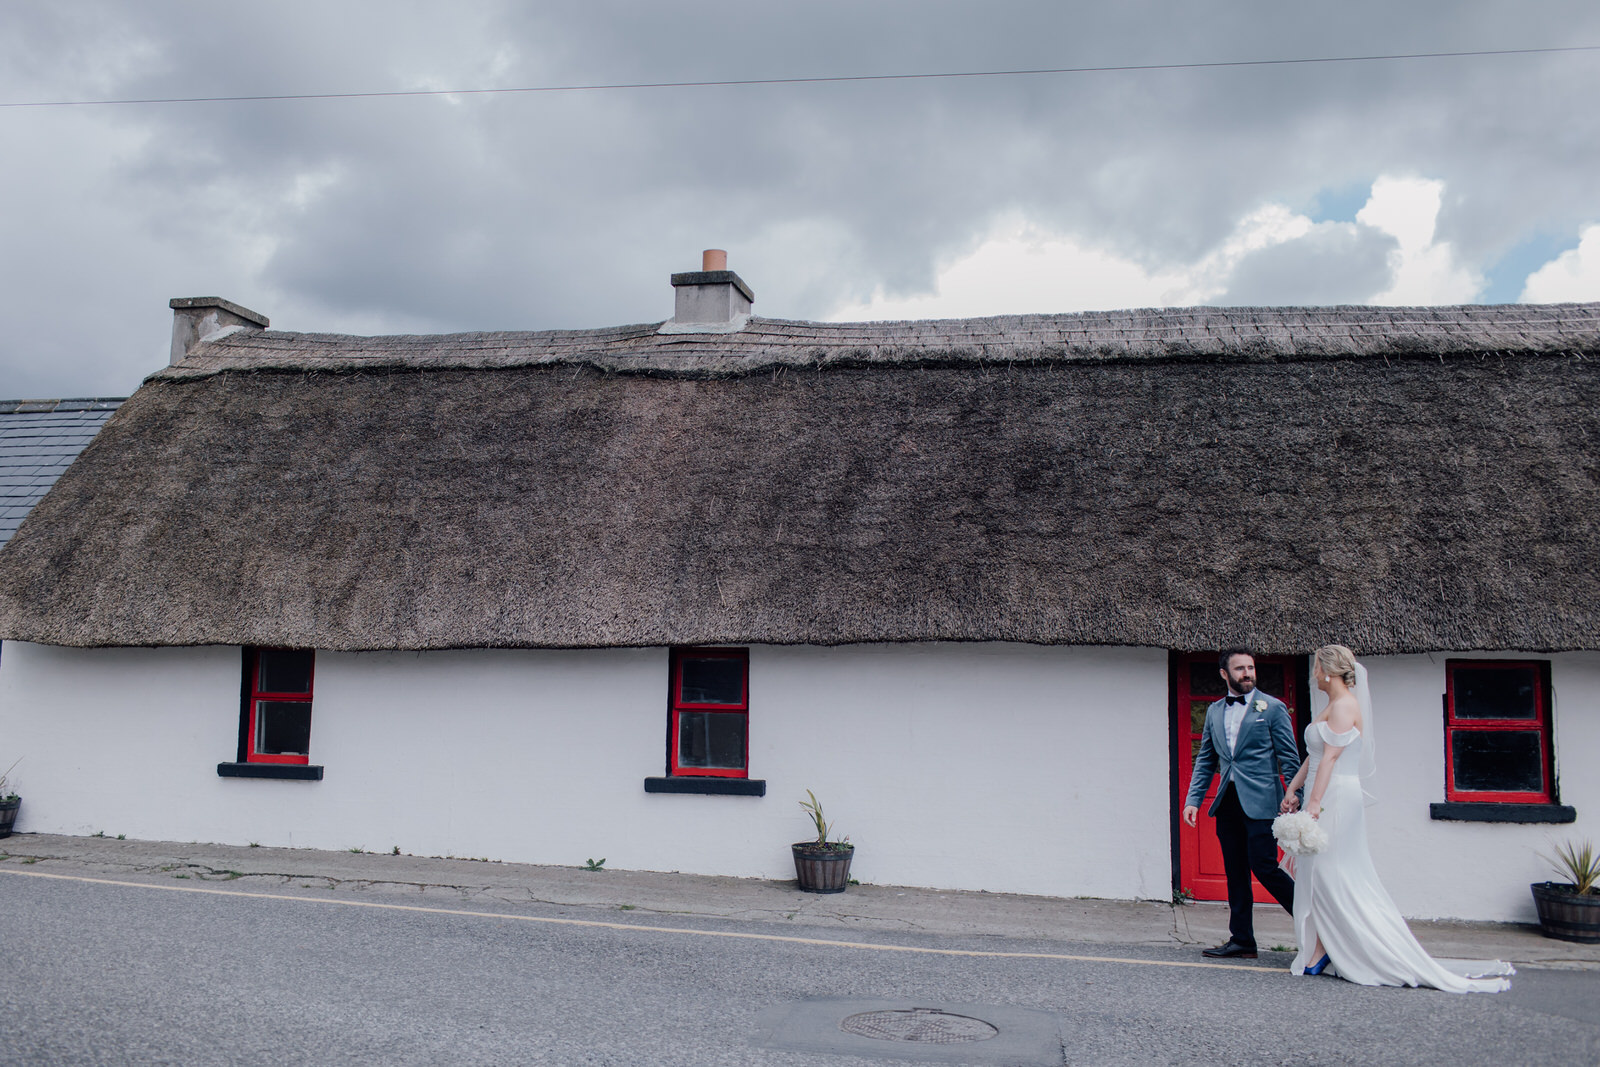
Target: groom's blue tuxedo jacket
1266	749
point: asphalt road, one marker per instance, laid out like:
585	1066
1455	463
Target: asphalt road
100	973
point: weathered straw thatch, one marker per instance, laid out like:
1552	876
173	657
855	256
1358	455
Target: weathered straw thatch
1399	479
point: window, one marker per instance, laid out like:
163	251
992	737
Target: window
277	713
275	717
1497	732
709	718
708	725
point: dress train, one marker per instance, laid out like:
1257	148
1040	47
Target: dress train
1339	899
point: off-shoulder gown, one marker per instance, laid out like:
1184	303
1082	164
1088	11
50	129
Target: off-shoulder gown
1338	898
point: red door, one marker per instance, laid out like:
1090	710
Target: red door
1196	683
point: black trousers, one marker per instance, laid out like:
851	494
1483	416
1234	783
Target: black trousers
1248	846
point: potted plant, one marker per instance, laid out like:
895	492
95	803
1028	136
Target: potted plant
1570	910
822	866
9	802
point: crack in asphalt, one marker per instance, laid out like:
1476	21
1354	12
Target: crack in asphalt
811	911
1180	918
203	872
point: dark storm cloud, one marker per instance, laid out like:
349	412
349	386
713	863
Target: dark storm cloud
1343	265
570	209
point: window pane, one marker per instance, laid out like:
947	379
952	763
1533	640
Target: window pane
1496	693
1197	724
283	672
712	681
283	728
1497	761
711	739
1205	678
1269	678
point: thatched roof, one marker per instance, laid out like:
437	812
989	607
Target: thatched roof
1399	479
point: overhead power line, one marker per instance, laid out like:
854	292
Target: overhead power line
819	80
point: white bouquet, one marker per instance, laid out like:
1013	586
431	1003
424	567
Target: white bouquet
1299	834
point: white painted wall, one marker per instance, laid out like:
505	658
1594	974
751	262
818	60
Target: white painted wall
1470	870
1004	767
1001	767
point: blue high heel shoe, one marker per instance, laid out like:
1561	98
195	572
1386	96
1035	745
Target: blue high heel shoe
1319	966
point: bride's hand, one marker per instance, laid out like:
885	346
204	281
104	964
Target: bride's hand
1288	804
1313	808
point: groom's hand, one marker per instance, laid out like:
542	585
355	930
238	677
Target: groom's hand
1190	814
1290	803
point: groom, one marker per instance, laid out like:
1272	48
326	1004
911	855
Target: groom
1249	741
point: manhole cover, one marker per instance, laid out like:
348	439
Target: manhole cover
926	1025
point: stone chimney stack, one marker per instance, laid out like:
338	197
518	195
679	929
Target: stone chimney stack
197	318
712	299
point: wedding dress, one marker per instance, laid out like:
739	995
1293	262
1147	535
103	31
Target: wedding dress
1338	898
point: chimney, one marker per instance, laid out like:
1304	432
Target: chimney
712	299
199	318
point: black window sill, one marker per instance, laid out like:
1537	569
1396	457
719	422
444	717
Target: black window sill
1459	811
294	772
717	787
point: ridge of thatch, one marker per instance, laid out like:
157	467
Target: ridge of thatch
1202	334
937	484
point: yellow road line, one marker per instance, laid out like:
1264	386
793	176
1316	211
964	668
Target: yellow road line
637	927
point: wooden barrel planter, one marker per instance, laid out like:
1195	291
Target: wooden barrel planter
822	868
1567	915
8	815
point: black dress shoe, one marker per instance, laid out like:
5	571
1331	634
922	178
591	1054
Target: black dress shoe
1230	950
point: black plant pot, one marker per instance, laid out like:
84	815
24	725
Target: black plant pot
1565	914
821	869
8	815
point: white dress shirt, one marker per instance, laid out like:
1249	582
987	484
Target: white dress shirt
1235	718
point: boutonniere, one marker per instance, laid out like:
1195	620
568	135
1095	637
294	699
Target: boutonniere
1260	706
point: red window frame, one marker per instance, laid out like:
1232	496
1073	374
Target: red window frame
255	695
676	706
1539	723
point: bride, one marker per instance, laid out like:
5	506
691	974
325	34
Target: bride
1344	920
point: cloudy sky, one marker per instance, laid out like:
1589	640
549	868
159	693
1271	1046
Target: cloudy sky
1427	181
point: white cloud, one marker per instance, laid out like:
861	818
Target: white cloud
1425	271
1574	275
1273	249
1020	269
1266	227
1017	270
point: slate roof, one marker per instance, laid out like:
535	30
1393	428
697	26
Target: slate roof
38	439
1397	479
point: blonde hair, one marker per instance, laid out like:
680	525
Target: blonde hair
1339	661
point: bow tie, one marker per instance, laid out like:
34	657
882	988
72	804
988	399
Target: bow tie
1232	700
